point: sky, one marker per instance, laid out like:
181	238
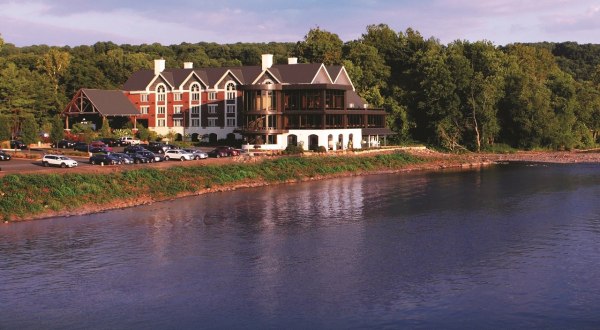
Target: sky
85	22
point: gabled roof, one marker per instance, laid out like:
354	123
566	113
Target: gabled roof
105	102
302	73
295	73
139	80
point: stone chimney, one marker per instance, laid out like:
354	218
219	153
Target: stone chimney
292	60
188	65
159	66
267	61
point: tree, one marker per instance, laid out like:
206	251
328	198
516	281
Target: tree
320	46
57	132
55	64
29	130
5	131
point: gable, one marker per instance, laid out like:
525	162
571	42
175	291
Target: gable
228	76
322	77
343	79
192	78
157	81
265	76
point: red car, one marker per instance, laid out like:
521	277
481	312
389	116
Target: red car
100	144
224	151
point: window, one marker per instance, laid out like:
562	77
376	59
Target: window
161	93
195	92
195	109
212	96
177	122
177	97
161	110
161	123
230	108
212	108
177	109
144	109
144	97
231	93
212	122
195	122
230	122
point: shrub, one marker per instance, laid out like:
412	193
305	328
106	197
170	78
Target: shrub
294	150
321	149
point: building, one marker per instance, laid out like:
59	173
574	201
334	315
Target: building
268	106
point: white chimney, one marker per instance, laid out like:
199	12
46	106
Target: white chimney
267	61
188	65
159	66
292	60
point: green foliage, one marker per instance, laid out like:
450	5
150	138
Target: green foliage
4	128
320	46
29	130
57	132
294	150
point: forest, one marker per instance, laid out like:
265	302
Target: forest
461	96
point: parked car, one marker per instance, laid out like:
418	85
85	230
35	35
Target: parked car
58	160
4	155
111	142
223	151
128	141
124	158
100	149
198	154
81	146
152	156
104	159
140	158
64	144
100	144
178	154
16	144
160	147
134	149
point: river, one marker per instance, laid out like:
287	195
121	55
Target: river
509	246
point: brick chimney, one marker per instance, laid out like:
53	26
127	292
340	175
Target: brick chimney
188	65
159	66
267	61
292	60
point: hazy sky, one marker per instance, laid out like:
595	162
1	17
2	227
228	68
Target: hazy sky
77	22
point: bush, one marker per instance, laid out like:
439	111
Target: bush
321	149
294	150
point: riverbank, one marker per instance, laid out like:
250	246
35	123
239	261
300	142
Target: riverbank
35	196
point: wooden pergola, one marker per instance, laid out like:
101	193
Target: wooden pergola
104	103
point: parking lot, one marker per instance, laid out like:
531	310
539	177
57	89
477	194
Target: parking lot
22	166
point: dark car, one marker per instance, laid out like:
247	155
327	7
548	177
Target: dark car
80	146
4	155
111	142
160	148
104	159
124	158
64	144
134	149
223	151
152	157
139	158
100	149
16	144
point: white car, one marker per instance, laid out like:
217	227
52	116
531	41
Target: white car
58	160
129	141
178	154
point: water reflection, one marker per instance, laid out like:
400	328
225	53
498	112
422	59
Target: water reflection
510	246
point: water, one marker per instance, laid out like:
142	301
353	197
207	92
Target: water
515	246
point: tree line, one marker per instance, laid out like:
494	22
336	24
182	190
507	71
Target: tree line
463	95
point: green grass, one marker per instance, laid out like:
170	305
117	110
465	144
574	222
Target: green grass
26	195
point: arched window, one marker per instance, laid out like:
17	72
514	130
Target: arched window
161	93
231	91
195	91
